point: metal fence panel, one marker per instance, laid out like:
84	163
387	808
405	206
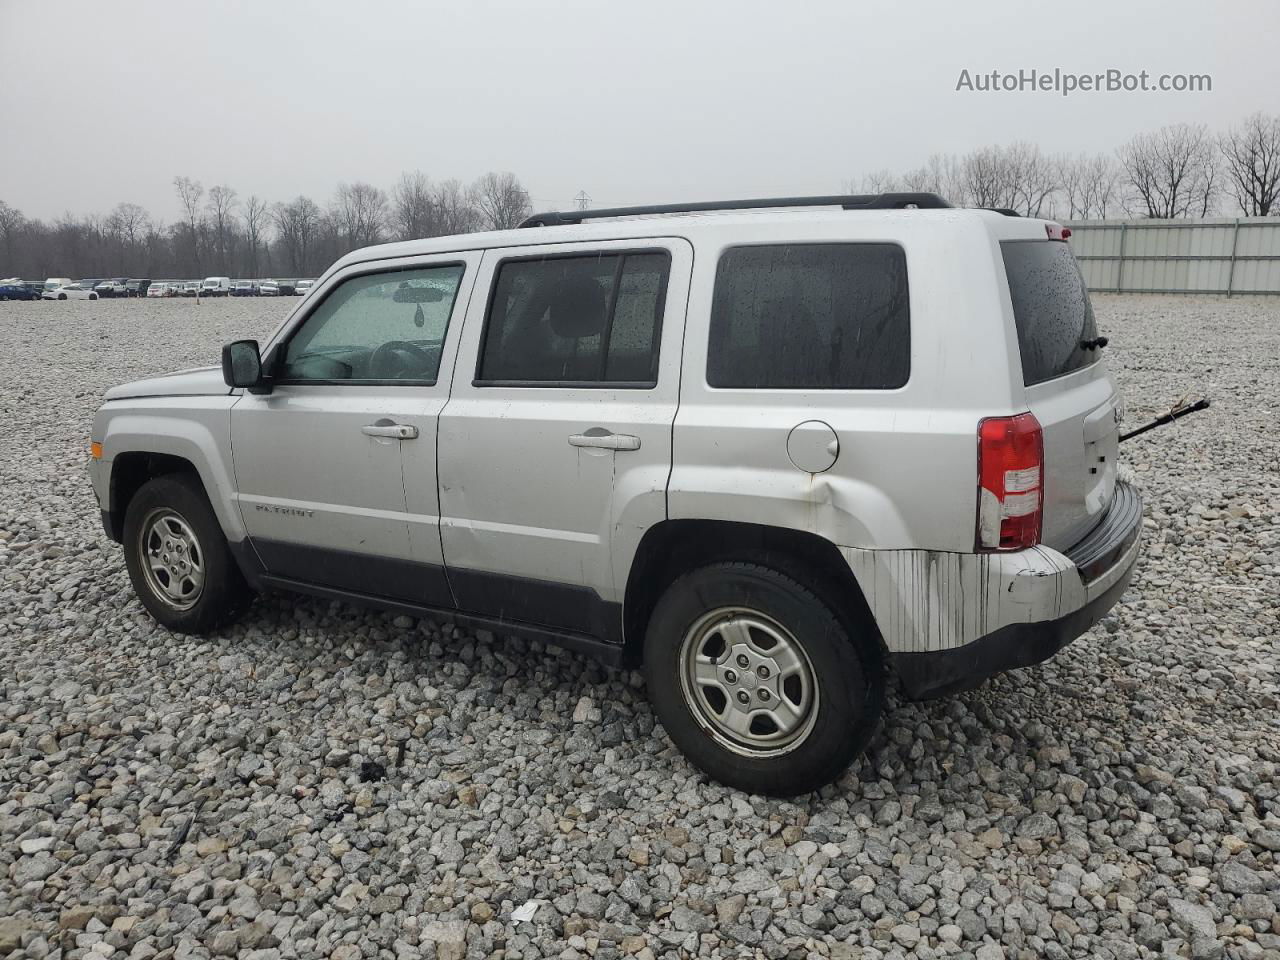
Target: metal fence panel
1212	255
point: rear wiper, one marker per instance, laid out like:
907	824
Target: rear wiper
1094	344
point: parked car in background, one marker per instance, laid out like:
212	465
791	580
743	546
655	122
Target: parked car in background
215	287
136	288
191	288
80	290
35	286
52	284
244	288
302	286
15	289
161	288
286	287
268	288
112	288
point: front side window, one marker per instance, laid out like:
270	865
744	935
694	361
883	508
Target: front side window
593	320
379	327
831	316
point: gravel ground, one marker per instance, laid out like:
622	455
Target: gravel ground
325	781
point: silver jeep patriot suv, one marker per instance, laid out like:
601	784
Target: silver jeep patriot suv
768	450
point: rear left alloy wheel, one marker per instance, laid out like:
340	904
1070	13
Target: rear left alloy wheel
178	559
759	681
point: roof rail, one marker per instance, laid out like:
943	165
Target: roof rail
867	201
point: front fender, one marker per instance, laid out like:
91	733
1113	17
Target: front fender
199	432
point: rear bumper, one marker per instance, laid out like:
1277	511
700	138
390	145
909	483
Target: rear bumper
1029	605
942	672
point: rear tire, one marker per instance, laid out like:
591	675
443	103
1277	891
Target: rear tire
759	681
178	559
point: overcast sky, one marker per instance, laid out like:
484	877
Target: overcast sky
102	102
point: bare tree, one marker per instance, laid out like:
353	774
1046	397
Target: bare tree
131	221
412	212
11	224
879	181
1172	171
501	201
255	222
125	225
190	193
297	224
222	221
1252	153
359	213
455	209
1089	185
1014	177
941	174
157	252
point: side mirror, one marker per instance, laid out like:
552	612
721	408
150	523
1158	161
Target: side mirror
241	364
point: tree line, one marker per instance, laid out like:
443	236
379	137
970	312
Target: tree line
220	233
1178	171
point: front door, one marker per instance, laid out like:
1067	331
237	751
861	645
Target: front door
335	467
555	446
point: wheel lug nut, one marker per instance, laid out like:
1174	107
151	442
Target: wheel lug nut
743	661
730	677
743	696
762	673
764	694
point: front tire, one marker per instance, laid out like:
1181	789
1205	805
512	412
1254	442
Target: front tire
760	682
178	559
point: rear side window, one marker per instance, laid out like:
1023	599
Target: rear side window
811	316
588	320
1051	308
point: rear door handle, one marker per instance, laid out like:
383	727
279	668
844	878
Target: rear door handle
606	441
385	428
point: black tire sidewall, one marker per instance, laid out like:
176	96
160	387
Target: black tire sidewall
847	675
225	593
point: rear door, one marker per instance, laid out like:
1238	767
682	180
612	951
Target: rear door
555	446
1068	386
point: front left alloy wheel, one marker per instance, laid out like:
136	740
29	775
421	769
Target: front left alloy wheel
178	559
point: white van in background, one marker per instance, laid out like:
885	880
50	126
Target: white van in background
215	287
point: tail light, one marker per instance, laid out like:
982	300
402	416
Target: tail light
1010	482
1057	231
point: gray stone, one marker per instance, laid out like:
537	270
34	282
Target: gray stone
1235	877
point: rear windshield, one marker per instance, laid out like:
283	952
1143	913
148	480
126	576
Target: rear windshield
1051	308
829	316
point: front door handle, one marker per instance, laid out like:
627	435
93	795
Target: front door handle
386	428
606	441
